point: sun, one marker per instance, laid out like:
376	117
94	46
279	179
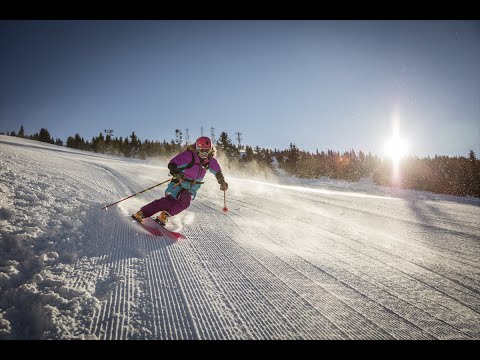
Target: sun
396	148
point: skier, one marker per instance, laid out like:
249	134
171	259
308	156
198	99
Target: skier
188	169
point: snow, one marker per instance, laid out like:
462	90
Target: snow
292	259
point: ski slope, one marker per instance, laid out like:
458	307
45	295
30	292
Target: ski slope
290	260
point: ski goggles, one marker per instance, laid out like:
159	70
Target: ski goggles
203	153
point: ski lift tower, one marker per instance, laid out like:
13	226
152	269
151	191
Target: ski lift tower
239	139
212	131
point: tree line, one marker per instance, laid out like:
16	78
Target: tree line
458	175
441	174
43	136
130	146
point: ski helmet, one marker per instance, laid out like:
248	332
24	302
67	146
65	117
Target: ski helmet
204	146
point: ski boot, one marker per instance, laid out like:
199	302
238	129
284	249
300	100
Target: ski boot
138	216
162	219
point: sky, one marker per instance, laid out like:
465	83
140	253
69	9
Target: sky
319	84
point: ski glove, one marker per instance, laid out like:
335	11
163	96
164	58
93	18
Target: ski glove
179	176
175	172
221	181
223	185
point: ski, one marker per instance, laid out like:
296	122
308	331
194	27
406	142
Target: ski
156	229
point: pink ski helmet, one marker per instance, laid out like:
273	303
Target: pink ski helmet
203	146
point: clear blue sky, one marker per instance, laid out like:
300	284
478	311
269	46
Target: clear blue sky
319	84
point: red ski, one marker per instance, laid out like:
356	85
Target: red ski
156	229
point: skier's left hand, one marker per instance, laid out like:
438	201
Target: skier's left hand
179	176
224	186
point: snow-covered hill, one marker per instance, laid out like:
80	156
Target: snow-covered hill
319	260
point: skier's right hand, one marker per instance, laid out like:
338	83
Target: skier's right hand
223	186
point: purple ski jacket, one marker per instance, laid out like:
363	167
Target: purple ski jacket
194	168
197	171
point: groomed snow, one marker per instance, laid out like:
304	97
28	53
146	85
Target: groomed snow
292	259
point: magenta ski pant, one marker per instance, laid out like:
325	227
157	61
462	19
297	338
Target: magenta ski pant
168	203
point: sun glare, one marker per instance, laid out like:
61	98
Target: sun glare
396	148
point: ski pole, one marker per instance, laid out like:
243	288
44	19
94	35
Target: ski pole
225	209
150	188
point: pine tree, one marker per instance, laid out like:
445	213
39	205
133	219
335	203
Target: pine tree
248	154
471	156
225	144
44	136
126	148
76	142
98	143
293	155
134	145
21	132
473	175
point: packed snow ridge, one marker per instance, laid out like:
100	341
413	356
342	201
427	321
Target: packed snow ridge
292	259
